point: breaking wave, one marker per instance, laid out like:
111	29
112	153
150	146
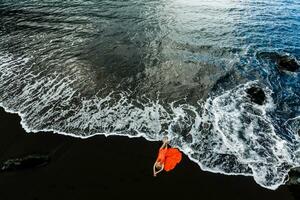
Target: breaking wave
227	133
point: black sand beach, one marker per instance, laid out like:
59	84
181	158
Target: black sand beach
114	166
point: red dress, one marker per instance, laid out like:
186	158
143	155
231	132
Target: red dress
169	158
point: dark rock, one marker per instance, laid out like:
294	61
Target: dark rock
27	162
284	62
288	64
256	94
294	176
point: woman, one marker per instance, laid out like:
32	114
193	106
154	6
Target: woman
167	158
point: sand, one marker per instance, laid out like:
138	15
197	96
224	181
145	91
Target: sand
110	166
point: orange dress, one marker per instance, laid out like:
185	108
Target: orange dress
169	157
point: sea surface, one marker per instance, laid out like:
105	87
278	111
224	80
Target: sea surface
204	73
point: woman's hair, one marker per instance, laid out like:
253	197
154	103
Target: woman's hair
158	165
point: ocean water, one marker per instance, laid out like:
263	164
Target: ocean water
181	68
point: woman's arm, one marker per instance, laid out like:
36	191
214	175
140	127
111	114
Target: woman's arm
165	143
154	169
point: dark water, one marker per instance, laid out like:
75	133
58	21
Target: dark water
153	68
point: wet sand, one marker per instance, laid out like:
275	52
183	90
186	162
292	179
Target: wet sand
110	166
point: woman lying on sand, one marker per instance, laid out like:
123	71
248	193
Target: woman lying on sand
167	158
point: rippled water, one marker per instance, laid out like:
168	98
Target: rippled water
151	68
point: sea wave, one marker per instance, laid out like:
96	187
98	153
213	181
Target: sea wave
227	133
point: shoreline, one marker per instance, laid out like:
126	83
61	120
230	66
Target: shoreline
96	165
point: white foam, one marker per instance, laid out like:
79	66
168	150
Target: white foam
226	134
